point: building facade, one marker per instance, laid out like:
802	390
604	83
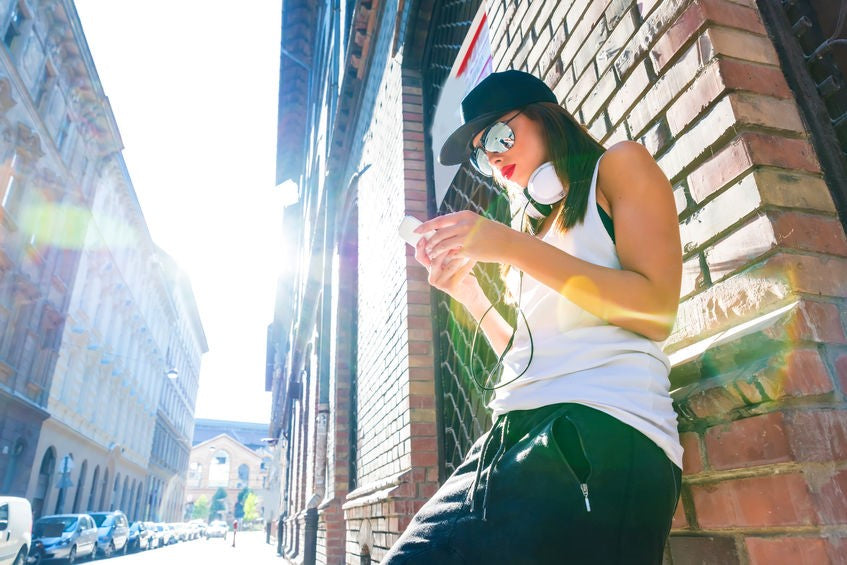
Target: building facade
58	132
223	462
743	106
113	339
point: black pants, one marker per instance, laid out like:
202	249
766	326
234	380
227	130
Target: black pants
563	483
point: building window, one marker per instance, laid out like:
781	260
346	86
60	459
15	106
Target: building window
219	469
45	83
13	189
62	132
15	27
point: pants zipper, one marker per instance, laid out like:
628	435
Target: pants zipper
583	483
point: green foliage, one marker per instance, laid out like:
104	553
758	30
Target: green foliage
201	508
217	504
251	512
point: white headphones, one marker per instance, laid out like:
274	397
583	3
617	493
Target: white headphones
543	190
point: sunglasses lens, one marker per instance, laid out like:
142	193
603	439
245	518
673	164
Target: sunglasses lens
480	162
499	138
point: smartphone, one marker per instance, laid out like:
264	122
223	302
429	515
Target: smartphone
406	230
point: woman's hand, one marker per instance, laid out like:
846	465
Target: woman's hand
450	273
468	234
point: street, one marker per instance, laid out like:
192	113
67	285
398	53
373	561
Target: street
250	547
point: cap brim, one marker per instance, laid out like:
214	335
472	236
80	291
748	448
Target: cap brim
457	148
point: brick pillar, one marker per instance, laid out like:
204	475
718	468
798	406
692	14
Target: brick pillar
759	345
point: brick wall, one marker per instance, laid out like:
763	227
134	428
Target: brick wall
396	445
759	345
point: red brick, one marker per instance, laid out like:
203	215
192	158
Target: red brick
424	458
809	274
742	45
737	74
426	490
714	401
831	498
758	440
786	551
679	521
794	230
774	500
841	371
703	550
747	150
810	321
693	19
811	232
424	444
692	461
800	372
836	548
817	435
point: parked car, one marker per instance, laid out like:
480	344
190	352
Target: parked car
180	531
139	536
15	530
112	532
170	534
65	536
155	534
217	529
201	527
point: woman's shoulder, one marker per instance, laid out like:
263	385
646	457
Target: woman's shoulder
618	164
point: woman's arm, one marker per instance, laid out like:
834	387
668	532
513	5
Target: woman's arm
496	329
643	295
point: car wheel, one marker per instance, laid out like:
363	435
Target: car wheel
21	558
126	547
110	550
72	556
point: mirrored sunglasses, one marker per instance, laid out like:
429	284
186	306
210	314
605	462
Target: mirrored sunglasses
497	138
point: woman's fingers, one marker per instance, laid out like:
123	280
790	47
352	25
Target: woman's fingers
438	222
455	243
420	253
457	266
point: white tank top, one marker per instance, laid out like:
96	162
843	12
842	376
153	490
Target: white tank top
578	357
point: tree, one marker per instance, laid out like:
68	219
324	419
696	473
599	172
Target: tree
201	507
217	504
251	513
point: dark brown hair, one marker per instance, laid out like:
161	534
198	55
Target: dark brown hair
574	153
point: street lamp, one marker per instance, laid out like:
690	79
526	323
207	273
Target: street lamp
172	373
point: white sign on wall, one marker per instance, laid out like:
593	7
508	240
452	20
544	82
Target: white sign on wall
472	64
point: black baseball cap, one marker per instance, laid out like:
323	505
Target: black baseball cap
495	95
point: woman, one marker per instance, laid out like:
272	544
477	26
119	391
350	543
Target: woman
583	462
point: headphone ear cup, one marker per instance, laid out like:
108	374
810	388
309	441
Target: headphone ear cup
536	209
544	186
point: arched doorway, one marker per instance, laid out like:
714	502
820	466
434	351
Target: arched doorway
45	480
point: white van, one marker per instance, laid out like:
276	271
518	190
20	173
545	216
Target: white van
15	530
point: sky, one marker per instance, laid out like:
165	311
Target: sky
193	86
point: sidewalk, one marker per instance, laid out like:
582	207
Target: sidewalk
250	547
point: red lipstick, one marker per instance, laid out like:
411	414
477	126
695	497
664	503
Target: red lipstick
508	170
